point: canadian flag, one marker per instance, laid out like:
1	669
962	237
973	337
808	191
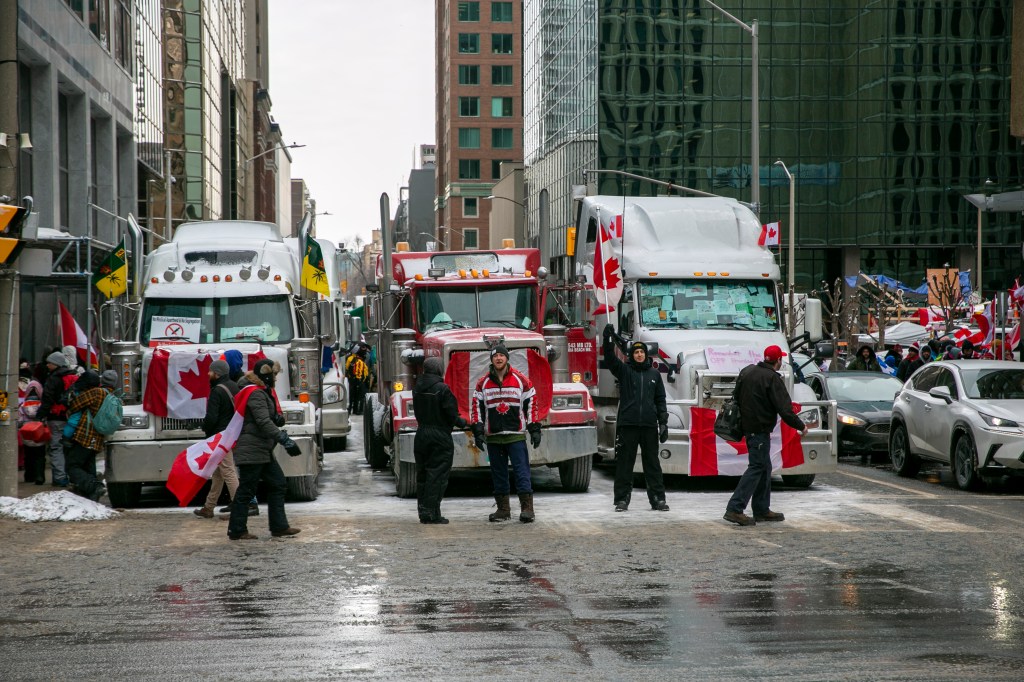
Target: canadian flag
465	368
607	274
72	335
986	321
1013	338
930	316
769	235
713	456
195	464
178	383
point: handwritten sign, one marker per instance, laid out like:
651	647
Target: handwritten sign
731	360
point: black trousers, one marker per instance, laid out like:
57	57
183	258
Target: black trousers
35	463
249	476
627	438
356	396
80	463
434	451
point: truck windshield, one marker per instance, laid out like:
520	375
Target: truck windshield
260	319
475	307
708	304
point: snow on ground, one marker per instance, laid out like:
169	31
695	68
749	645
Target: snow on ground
59	505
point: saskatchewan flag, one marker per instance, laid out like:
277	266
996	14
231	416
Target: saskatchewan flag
112	276
314	276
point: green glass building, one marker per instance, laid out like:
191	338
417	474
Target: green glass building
887	113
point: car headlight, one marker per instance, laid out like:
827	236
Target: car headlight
135	421
567	402
850	420
999	422
811	418
294	417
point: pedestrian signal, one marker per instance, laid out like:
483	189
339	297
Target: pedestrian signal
11	219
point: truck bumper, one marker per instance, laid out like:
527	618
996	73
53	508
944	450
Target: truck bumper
336	421
150	461
558	444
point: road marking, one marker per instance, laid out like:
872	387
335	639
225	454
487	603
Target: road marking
1014	519
826	562
770	544
891	485
896	583
921	520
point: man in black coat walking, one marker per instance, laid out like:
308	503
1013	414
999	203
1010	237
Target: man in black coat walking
642	420
762	397
437	411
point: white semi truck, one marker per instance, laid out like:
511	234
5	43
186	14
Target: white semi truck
687	276
219	286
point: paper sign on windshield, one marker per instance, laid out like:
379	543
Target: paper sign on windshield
175	329
731	360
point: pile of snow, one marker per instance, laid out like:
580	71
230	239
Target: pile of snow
60	505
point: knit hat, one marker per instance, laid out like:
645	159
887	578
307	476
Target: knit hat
71	353
266	370
637	345
220	368
500	348
57	358
433	366
108	379
234	359
914	348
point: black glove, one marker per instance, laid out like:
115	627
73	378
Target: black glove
278	419
608	333
478	435
663	433
461	423
282	437
291	447
534	430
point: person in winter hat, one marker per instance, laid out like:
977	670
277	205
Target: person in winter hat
54	412
86	442
437	412
30	395
220	408
642	421
71	353
911	363
503	410
866	361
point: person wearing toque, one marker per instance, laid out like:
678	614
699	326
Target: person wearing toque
502	412
762	397
255	459
437	413
642	421
54	412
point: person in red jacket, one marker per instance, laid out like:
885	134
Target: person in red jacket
502	412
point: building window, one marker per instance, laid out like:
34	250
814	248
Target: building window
501	75
469	43
470	208
470	238
469	138
470	11
123	34
501	43
469	106
496	168
502	138
501	11
98	12
469	169
501	107
469	74
63	160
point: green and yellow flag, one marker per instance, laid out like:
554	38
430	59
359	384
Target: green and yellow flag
112	276
314	276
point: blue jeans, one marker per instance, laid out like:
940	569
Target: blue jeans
756	482
500	455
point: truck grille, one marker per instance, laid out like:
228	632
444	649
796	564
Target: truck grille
171	424
878	428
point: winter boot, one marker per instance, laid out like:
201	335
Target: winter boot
526	507
504	512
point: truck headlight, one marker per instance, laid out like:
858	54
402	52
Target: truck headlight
135	421
333	394
567	402
294	417
811	418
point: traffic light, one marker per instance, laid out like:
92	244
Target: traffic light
11	219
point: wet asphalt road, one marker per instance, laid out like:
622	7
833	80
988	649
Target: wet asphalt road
871	577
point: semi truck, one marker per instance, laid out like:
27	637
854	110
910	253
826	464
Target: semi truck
457	305
218	286
688	277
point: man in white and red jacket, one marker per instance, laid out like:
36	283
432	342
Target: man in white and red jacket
503	410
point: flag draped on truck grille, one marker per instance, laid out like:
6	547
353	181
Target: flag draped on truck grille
178	382
195	464
713	456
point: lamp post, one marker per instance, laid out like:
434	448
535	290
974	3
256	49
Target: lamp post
755	121
791	274
246	162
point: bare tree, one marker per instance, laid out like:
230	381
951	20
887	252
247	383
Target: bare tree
842	311
946	293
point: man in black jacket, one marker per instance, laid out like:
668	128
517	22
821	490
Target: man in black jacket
436	412
220	408
642	420
762	396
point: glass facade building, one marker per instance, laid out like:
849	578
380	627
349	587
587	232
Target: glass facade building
887	114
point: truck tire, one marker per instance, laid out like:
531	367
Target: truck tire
405	479
373	445
124	495
798	480
302	488
575	474
336	444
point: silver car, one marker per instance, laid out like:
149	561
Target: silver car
968	414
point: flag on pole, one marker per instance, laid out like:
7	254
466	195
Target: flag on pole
607	275
112	276
986	321
314	276
195	464
769	235
72	335
714	456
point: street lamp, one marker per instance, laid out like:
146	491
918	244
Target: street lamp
984	203
755	121
498	196
246	162
792	245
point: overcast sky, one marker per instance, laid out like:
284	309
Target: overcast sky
354	82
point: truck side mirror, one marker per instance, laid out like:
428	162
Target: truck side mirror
328	328
812	318
626	319
110	322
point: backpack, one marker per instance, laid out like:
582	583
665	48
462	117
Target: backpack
107	419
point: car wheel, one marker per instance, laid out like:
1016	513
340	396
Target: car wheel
965	460
904	462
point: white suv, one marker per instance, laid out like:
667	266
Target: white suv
965	413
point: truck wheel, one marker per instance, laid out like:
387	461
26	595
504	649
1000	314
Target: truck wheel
373	445
336	444
124	494
575	474
798	480
302	488
405	479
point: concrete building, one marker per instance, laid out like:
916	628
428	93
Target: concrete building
479	112
414	216
508	212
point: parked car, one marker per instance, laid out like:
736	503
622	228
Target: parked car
968	414
864	408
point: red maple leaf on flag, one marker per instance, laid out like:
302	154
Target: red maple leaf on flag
197	382
611	272
771	233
